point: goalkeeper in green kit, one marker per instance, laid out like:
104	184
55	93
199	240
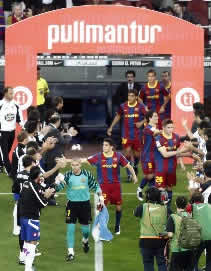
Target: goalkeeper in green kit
79	183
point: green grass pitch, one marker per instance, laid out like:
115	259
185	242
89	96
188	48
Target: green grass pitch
121	254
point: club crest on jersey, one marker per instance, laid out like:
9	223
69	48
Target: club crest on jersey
136	109
83	180
10	117
157	90
115	159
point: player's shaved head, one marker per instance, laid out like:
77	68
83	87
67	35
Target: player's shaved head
76	159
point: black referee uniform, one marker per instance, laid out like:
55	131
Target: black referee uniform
10	114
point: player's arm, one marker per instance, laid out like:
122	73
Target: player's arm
60	183
60	163
180	160
46	89
166	100
114	122
140	123
141	98
168	154
187	130
130	168
93	184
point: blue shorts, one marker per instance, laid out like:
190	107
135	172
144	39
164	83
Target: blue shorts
30	229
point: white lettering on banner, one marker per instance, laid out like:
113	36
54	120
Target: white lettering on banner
81	32
185	99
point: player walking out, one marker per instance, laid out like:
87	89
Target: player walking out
132	113
108	165
79	182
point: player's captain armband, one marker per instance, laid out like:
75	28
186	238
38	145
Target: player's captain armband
124	141
150	165
158	144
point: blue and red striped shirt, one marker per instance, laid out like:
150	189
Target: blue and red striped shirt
131	115
108	168
153	97
171	144
148	144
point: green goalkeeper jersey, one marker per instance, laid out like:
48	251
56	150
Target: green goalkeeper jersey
79	186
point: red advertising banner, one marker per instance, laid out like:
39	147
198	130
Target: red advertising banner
108	30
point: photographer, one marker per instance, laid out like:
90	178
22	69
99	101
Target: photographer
181	259
153	219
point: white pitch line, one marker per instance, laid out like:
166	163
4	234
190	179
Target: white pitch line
127	194
98	245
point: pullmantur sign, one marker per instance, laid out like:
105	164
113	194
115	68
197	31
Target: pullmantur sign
108	30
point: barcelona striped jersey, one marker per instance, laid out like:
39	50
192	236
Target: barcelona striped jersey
148	144
131	115
153	97
108	167
171	144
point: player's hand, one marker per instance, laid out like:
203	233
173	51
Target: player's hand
109	131
196	157
184	122
162	109
101	200
139	124
156	132
72	131
60	179
61	162
191	175
49	192
183	166
135	179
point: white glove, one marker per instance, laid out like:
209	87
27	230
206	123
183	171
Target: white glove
101	200
59	179
139	194
76	147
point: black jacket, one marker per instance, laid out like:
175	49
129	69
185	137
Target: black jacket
31	200
17	153
121	95
21	177
58	150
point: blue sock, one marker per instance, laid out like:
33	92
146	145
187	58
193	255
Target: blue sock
85	231
70	235
128	172
143	183
136	161
169	197
152	182
118	218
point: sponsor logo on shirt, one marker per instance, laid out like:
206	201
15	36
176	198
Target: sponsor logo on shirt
83	180
10	117
110	166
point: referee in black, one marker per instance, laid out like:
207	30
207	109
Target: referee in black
10	114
